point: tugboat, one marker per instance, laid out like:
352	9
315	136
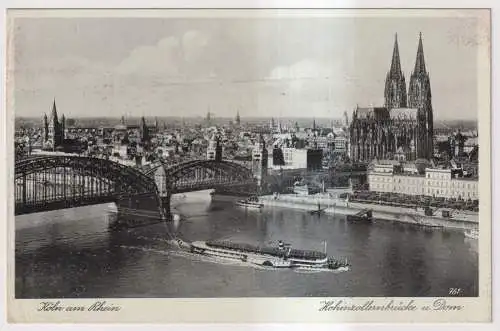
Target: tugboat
252	202
364	215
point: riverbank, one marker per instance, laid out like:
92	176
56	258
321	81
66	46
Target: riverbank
332	205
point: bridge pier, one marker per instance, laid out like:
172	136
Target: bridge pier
139	210
165	202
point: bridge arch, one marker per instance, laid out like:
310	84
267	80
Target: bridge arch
195	175
198	175
62	181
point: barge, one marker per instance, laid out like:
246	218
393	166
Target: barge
282	256
365	215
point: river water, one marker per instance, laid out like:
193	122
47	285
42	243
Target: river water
72	253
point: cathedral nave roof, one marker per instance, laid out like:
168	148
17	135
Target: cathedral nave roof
404	113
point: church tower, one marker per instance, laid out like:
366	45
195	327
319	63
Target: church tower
259	160
54	128
395	86
63	128
420	98
45	128
346	120
144	130
238	119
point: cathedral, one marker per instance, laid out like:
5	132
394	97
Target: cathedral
53	129
403	128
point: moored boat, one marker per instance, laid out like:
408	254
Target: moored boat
319	211
430	225
365	215
420	221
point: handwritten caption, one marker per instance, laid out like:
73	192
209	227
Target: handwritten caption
58	306
389	305
326	305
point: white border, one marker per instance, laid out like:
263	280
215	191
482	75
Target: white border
275	4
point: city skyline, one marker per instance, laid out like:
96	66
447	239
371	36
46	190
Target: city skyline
258	67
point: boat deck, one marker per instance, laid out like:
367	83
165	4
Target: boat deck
274	251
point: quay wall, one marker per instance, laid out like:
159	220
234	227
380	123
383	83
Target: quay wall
396	214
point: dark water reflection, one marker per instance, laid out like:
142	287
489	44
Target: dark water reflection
75	255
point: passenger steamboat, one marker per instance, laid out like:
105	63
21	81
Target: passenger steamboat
282	256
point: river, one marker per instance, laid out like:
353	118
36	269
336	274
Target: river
73	254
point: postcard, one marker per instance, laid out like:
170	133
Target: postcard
249	165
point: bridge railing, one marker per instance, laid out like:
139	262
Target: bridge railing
168	162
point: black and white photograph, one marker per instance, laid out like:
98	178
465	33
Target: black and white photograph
218	154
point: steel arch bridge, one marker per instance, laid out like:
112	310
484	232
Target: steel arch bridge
59	181
195	175
50	182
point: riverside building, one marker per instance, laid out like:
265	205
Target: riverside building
434	182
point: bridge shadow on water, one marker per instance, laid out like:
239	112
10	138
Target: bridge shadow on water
64	251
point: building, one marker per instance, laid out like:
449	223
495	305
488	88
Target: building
289	158
439	183
404	125
321	142
78	131
457	144
314	160
120	131
340	143
470	145
53	129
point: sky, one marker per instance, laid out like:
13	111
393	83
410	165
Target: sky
260	66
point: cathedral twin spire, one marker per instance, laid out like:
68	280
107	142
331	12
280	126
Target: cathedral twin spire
395	85
395	63
419	96
420	88
420	61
